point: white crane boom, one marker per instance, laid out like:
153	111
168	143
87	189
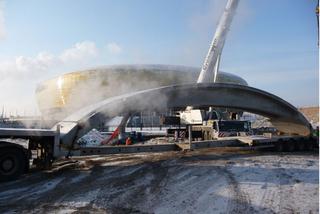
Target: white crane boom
210	66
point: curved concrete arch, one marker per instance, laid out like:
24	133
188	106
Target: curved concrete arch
283	115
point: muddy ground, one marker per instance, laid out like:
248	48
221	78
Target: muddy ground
203	181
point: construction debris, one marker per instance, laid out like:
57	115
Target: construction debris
92	138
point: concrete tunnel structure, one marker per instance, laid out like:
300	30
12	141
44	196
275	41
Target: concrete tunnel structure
285	117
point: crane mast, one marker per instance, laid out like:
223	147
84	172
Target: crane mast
209	70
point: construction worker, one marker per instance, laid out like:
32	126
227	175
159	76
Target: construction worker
128	141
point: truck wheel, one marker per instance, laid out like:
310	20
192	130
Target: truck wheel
12	163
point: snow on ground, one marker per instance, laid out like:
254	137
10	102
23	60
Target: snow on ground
202	181
282	184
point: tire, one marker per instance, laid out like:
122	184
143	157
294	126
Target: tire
13	163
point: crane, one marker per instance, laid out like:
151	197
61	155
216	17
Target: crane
210	67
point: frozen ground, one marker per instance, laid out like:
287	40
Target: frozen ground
203	181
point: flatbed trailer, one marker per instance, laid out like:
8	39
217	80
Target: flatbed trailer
17	146
278	142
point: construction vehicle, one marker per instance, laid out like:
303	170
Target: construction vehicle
211	124
215	129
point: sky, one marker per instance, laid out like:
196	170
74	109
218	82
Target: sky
272	44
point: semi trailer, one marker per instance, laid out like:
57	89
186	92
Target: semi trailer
20	148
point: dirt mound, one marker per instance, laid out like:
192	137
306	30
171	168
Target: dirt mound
311	113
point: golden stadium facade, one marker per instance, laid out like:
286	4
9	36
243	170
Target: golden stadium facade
67	93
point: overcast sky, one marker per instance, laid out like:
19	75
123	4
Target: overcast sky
272	43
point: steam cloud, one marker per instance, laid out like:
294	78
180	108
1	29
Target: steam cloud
20	75
88	87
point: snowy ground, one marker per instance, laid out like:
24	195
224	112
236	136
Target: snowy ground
203	181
